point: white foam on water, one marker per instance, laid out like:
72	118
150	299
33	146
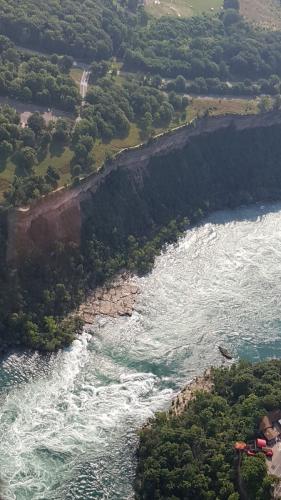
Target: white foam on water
68	422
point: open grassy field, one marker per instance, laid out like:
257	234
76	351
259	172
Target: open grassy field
266	13
222	106
101	150
76	75
182	8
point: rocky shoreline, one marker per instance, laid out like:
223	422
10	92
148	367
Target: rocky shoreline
180	402
114	299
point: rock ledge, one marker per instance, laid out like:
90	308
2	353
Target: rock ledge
180	402
116	299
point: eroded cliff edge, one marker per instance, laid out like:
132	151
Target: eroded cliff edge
133	183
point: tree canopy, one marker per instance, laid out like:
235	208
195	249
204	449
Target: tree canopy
35	78
217	49
89	30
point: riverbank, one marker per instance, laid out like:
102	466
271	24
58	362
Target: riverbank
180	402
188	393
114	299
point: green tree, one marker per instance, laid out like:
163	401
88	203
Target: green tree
264	104
36	122
27	158
52	177
6	149
66	63
180	84
253	473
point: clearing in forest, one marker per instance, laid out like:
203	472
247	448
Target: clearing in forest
182	8
266	13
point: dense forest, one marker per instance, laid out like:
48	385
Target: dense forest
127	222
111	108
92	30
191	455
223	54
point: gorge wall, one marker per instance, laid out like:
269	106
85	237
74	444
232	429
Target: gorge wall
204	164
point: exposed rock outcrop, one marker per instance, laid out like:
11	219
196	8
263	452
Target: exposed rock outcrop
116	299
180	402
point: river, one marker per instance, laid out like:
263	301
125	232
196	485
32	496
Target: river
68	422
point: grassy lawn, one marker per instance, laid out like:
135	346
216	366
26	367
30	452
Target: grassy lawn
126	76
102	149
60	161
76	75
182	8
222	106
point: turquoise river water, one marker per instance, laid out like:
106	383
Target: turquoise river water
68	422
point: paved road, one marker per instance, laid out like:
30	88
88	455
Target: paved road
84	85
83	90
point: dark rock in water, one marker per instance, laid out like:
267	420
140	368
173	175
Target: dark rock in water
225	352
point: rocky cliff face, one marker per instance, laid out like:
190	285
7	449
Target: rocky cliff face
60	215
